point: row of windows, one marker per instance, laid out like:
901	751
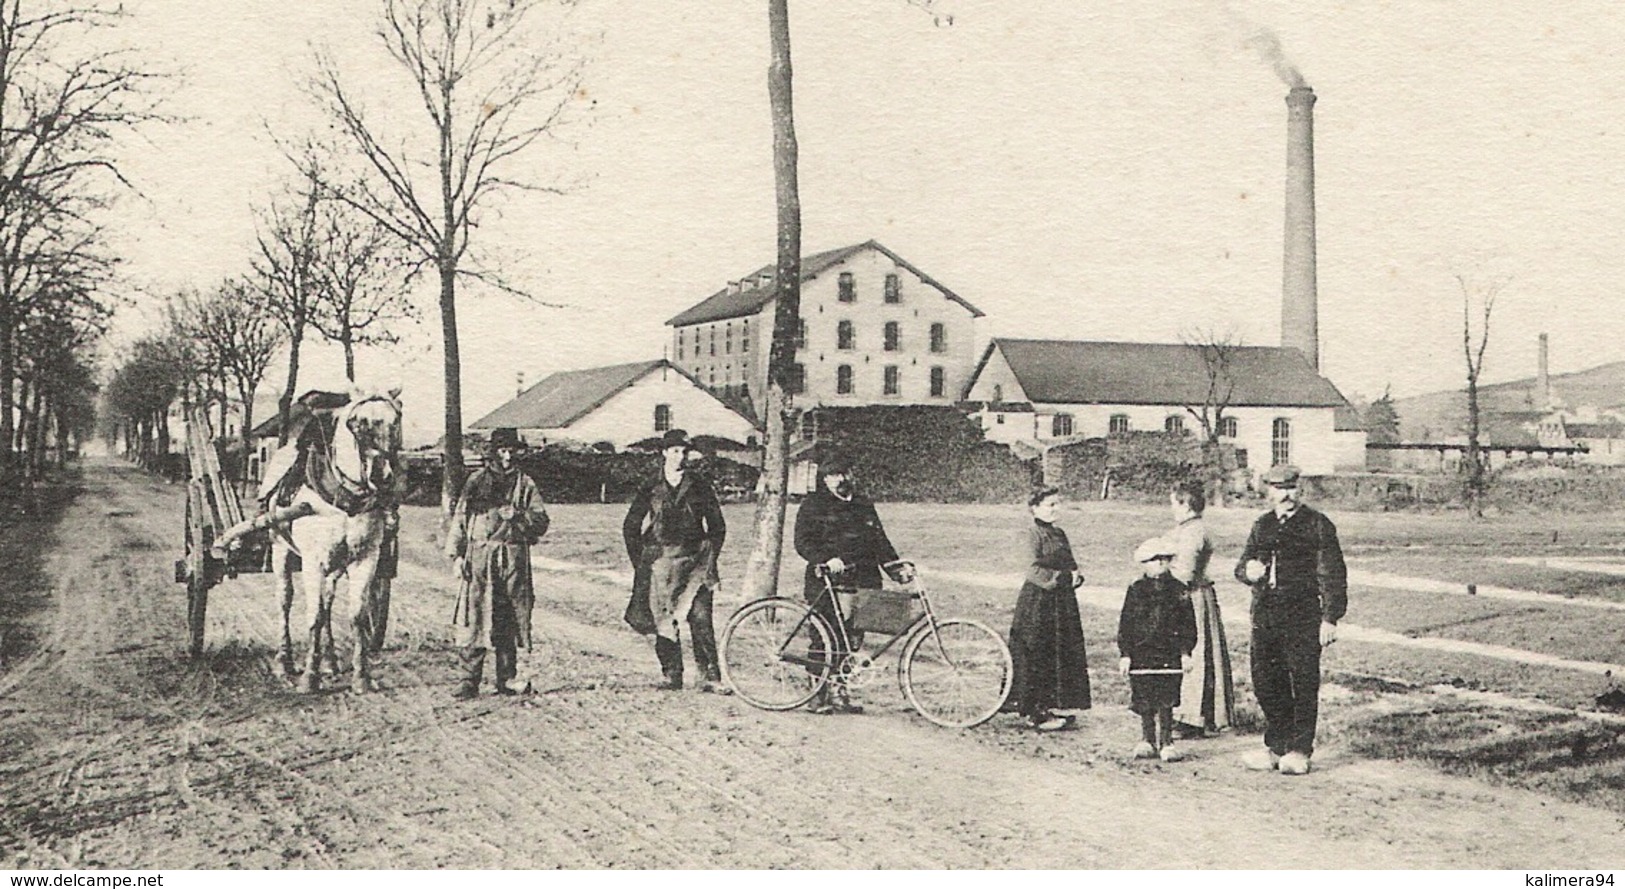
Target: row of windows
845	338
890	380
891	336
1062	425
847	288
709	342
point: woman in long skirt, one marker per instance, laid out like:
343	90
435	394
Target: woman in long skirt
1046	634
1208	698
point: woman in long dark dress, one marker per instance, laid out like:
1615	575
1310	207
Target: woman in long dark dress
1046	634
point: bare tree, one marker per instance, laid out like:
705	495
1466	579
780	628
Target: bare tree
1217	352
489	92
286	282
362	280
1477	299
237	338
63	106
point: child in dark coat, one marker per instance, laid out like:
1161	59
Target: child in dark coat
1156	635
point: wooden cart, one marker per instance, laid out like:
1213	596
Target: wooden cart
212	505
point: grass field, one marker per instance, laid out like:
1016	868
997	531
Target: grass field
973	556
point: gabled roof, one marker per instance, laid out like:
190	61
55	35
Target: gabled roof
1080	372
567	396
751	298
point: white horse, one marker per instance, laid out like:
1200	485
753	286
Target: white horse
347	495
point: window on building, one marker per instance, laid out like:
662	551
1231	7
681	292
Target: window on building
889	386
744	335
1281	441
662	417
696	344
893	337
682	344
808	427
1227	427
801	333
894	289
1174	425
848	289
1241	458
713	339
939	337
728	339
797	383
1061	425
845	336
1118	425
843	379
939	382
713	375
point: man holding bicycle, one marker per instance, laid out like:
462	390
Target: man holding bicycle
839	532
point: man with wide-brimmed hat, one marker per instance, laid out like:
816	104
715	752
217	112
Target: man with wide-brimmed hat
499	515
674	532
1300	591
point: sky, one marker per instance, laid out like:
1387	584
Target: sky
1075	168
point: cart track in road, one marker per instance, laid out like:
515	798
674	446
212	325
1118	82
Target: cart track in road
119	751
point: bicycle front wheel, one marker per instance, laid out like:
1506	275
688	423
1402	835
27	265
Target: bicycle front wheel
773	653
958	674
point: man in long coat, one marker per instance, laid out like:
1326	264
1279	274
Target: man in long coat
499	515
674	530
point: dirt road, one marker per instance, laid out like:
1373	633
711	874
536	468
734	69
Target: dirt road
116	750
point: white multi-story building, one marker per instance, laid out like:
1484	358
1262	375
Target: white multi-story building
874	330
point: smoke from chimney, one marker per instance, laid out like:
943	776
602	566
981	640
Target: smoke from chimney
1268	45
1543	379
1300	323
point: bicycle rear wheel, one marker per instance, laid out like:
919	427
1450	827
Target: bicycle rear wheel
767	653
959	675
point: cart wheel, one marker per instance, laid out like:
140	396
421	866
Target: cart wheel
957	675
765	653
197	607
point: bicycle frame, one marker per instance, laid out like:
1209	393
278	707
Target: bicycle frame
843	639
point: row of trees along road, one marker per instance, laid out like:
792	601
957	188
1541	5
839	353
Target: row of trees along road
68	95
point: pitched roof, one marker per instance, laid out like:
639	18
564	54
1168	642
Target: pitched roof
750	299
567	396
1079	372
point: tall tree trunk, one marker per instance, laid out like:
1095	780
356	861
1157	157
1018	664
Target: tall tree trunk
348	341
161	423
41	423
8	376
1475	463
451	477
762	570
285	402
19	433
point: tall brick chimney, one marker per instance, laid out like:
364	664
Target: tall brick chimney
1543	378
1300	324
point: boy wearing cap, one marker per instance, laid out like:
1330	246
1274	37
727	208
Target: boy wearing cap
499	515
674	528
1156	634
1300	590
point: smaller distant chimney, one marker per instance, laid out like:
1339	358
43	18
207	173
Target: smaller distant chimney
1543	379
519	383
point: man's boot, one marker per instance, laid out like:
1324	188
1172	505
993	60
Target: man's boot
704	639
670	653
473	664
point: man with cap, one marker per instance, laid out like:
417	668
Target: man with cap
498	516
1300	591
674	530
838	531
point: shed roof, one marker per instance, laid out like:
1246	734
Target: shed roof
567	396
1084	372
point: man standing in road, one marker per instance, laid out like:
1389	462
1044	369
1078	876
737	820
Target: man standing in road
1300	591
675	530
499	515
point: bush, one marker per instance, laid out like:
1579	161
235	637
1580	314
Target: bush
922	453
1141	465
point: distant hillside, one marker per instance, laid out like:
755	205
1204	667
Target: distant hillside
1441	415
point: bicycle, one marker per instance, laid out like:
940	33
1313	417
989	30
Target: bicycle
776	651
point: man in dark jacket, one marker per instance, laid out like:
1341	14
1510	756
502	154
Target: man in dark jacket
674	530
1300	591
839	532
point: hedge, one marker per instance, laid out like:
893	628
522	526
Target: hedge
922	453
